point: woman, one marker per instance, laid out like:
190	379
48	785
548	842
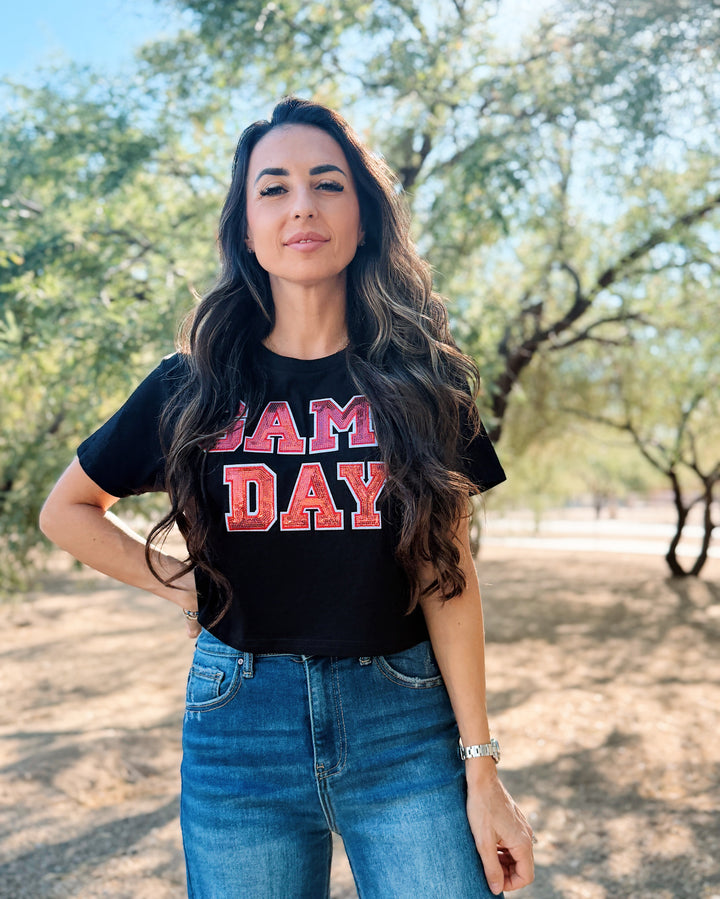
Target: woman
318	441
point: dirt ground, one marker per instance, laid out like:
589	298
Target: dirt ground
604	690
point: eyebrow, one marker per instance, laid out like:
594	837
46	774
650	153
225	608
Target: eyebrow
316	170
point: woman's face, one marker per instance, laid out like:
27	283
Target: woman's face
303	215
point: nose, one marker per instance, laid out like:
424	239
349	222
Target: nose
304	206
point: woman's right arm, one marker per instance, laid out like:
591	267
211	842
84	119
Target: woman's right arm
77	518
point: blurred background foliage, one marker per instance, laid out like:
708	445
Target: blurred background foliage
564	181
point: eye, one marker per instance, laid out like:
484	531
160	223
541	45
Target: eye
332	186
272	190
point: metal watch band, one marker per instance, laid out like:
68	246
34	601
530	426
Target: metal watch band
479	750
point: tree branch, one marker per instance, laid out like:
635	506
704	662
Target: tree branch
409	173
663	466
662	235
586	333
519	357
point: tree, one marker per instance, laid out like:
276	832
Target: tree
543	178
498	147
663	391
99	214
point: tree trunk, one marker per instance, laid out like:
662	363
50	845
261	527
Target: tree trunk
682	513
708	527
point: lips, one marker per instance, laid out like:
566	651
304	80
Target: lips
305	238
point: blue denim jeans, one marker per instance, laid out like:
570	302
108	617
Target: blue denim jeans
281	750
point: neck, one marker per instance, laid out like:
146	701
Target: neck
310	321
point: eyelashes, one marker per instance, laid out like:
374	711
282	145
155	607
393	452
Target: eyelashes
276	190
331	186
272	191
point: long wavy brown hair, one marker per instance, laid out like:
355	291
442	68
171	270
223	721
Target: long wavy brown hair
400	355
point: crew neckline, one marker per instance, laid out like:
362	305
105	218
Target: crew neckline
290	363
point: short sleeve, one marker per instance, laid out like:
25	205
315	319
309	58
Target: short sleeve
479	459
124	456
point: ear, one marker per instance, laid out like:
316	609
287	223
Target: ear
361	236
249	244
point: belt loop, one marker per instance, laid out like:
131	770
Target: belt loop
248	664
366	660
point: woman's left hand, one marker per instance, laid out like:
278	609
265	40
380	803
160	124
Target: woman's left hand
503	837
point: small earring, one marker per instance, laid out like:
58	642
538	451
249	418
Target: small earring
250	250
362	243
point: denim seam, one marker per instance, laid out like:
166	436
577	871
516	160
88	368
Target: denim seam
312	717
320	785
340	722
405	680
221	701
326	804
215	650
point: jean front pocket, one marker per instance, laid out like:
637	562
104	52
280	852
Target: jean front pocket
215	675
415	667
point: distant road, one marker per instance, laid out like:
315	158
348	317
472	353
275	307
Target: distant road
609	535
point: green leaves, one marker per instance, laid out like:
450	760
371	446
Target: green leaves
104	229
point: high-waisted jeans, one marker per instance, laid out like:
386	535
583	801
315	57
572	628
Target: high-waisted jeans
281	750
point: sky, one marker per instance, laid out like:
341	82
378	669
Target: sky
102	33
105	33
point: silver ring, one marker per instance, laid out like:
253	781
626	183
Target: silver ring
191	616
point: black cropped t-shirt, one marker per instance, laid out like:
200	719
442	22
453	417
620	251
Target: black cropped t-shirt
298	523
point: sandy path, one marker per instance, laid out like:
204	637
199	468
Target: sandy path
604	688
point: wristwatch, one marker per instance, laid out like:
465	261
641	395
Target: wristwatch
479	750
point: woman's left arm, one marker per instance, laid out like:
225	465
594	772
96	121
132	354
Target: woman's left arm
502	834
